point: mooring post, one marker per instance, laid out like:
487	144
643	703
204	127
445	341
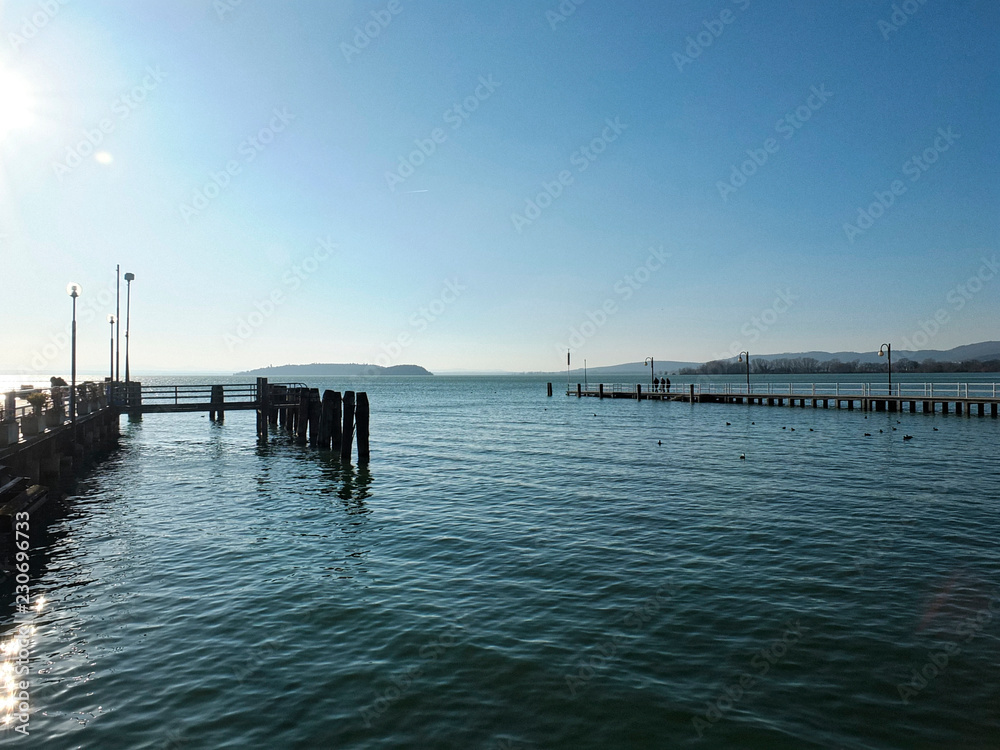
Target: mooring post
217	412
600	390
134	400
315	409
302	417
548	389
347	441
325	417
691	392
275	394
336	434
578	389
263	407
638	391
362	421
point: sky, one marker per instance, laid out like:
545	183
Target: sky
483	186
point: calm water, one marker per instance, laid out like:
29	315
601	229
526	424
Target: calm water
516	571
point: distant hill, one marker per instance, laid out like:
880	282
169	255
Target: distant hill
981	357
330	370
983	351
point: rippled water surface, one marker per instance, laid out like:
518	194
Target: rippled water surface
516	571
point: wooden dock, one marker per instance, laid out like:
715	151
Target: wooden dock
926	398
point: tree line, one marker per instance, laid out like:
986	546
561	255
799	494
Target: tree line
811	366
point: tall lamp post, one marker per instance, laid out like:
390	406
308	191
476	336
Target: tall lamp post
886	351
111	320
740	359
118	316
74	290
129	278
649	361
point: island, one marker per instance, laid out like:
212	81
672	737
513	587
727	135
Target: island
331	370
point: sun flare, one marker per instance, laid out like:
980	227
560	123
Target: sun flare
16	103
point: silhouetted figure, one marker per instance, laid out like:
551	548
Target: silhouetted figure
656	384
666	384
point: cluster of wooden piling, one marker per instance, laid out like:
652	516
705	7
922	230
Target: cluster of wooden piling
327	423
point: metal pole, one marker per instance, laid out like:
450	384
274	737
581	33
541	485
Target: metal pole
128	310
72	390
112	378
118	316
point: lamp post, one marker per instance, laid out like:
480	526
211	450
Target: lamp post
649	361
886	351
111	320
116	375
129	278
74	290
740	359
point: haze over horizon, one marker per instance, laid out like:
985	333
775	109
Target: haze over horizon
480	188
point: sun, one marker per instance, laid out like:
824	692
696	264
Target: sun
16	103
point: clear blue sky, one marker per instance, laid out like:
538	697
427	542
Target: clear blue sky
446	258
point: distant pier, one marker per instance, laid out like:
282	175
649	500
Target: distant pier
926	398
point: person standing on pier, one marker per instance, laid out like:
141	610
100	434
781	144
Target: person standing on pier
666	385
656	384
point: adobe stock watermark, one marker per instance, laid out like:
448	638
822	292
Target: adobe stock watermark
121	108
420	320
32	24
741	686
402	682
265	308
224	7
582	158
635	618
753	329
90	307
704	39
957	298
249	149
366	33
914	168
561	12
786	127
455	116
901	14
624	288
937	661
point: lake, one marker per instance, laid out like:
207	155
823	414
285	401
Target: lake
516	571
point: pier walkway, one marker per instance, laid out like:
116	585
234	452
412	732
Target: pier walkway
942	398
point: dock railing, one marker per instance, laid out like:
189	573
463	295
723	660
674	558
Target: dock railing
914	391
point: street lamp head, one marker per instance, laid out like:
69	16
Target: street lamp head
111	319
883	349
73	289
130	277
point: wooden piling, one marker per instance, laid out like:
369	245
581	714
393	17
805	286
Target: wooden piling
361	419
315	409
263	407
548	389
277	395
336	433
600	390
691	394
348	436
325	418
302	417
217	413
579	391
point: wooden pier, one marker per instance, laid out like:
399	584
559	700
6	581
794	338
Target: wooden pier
328	423
926	398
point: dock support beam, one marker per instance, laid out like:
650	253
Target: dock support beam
361	419
348	439
336	435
